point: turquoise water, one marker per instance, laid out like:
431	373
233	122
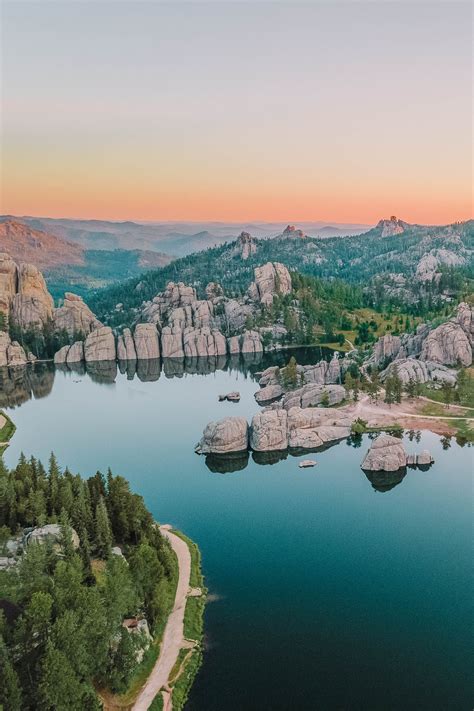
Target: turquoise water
325	592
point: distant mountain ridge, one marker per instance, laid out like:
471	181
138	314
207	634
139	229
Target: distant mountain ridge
67	264
174	238
25	244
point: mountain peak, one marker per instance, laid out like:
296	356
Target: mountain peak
391	227
291	231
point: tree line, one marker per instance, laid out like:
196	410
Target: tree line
62	635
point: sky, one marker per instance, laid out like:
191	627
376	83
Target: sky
237	111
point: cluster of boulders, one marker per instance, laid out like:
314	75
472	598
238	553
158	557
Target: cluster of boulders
272	430
388	454
425	355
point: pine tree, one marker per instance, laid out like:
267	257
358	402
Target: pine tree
103	532
10	691
325	399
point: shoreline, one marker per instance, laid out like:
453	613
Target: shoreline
167	687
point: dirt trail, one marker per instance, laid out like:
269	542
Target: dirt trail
173	638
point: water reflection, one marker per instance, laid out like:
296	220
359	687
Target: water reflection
226	464
385	481
20	384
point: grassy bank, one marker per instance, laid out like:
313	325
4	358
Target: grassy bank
189	660
6	432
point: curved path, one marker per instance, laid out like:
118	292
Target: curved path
173	637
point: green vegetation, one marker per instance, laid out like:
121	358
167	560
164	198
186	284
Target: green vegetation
6	432
67	600
354	272
360	426
463	394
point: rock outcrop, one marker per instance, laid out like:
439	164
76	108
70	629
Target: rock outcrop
392	227
74	316
269	431
32	305
245	246
11	353
272	279
448	344
269	393
386	454
291	232
145	340
100	345
419	371
172	342
126	350
275	430
70	354
202	342
312	395
224	437
311	428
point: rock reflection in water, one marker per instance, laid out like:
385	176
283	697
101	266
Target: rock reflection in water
20	384
385	481
102	371
228	463
148	371
264	458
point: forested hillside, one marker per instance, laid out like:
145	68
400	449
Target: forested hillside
74	611
416	269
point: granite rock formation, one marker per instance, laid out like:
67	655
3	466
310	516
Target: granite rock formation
74	316
386	453
100	345
224	436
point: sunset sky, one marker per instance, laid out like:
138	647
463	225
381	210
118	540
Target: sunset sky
237	111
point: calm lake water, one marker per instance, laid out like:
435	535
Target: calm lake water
326	593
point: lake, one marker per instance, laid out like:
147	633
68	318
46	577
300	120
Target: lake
328	591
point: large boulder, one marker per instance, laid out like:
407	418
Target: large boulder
61	355
268	431
147	345
16	354
448	344
100	345
50	533
269	393
313	427
224	436
386	454
75	353
74	316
